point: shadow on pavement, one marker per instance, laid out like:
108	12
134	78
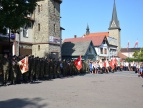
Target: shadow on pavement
22	103
35	82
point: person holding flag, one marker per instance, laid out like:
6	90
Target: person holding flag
24	68
78	63
23	65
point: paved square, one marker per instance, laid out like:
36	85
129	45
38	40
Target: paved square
113	90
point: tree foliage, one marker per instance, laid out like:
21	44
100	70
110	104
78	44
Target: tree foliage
13	13
138	54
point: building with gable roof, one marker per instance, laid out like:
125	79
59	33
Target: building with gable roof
101	45
74	49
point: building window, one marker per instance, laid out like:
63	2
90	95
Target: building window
38	47
38	26
41	7
101	50
25	30
105	51
38	8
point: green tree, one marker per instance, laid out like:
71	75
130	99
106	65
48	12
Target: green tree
136	53
141	53
13	13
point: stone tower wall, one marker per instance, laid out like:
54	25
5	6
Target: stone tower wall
116	34
48	21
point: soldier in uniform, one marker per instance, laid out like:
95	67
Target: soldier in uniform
42	68
37	65
64	68
47	74
5	65
51	68
14	70
32	65
19	74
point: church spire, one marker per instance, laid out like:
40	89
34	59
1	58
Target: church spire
87	30
114	24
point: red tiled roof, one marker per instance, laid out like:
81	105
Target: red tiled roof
99	34
97	40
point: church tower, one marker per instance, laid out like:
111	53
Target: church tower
114	27
87	30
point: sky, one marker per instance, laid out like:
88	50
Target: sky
76	14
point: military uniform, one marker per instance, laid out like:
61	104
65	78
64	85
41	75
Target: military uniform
14	71
33	68
5	65
47	70
37	66
19	74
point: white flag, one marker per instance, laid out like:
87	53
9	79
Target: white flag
23	65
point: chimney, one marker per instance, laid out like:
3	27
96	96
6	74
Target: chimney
75	36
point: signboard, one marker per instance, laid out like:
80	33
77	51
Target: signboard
7	36
55	40
12	36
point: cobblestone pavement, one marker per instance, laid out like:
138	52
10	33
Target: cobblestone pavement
113	90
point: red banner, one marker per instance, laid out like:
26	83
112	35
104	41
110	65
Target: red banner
78	63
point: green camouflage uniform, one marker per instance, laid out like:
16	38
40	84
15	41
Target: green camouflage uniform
5	65
14	71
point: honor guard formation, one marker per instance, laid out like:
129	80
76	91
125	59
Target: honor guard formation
40	69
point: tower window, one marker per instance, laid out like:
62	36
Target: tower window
41	7
38	47
38	8
38	26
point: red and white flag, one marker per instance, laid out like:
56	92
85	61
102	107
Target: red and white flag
78	63
136	44
23	65
128	45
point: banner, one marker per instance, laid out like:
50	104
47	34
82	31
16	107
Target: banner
23	65
78	63
136	44
128	45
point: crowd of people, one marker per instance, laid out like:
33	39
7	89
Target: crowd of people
113	65
46	68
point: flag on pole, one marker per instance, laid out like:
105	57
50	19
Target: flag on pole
136	44
128	45
23	65
78	63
